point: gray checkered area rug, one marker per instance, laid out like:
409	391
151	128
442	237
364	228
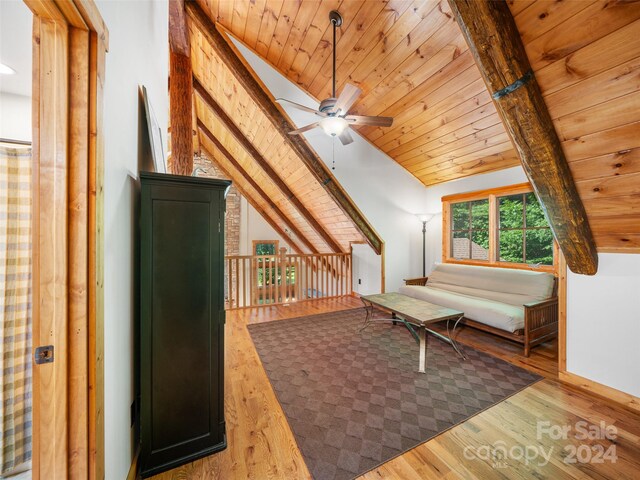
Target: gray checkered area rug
355	399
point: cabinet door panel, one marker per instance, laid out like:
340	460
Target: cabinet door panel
181	311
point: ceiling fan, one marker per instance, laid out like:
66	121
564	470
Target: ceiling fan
334	111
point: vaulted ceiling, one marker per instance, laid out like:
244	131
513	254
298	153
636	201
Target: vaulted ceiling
412	63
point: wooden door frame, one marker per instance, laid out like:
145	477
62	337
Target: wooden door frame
70	41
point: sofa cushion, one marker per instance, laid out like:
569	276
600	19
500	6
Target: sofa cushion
512	286
495	314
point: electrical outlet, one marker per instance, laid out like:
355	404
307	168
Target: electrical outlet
359	281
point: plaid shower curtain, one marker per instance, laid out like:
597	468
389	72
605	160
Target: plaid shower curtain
15	309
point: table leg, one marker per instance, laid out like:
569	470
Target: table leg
453	342
422	334
368	308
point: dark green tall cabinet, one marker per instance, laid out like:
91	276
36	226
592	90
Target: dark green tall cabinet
182	320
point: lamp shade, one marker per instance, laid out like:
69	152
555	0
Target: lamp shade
425	217
333	125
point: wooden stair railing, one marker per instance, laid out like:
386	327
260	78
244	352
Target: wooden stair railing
257	280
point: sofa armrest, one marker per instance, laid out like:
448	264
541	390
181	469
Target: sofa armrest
542	303
422	281
540	322
541	317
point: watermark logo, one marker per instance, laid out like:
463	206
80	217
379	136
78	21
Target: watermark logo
498	453
585	443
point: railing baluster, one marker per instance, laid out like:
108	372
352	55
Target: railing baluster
325	271
350	275
253	265
271	280
237	292
341	276
329	282
299	278
244	282
334	276
313	273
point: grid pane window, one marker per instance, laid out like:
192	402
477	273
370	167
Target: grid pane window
266	248
524	234
470	230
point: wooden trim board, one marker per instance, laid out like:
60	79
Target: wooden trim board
69	46
627	400
562	313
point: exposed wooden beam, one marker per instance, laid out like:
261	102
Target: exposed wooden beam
242	172
181	104
495	43
262	162
282	123
178	31
180	91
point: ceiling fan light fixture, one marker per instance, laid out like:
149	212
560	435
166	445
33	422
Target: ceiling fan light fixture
333	125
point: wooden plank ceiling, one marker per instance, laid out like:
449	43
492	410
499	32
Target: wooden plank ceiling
412	63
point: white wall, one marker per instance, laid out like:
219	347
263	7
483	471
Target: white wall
603	323
366	270
386	193
497	179
254	227
138	54
15	117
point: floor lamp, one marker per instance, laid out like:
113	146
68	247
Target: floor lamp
424	218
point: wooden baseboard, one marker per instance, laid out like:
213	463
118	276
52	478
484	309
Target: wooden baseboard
135	467
626	400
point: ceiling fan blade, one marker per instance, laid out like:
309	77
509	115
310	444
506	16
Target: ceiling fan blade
299	106
345	137
304	129
367	120
347	98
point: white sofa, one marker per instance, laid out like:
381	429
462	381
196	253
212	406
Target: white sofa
516	304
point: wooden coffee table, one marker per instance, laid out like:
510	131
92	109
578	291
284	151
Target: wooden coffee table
412	312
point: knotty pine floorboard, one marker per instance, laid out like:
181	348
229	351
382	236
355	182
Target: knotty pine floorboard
261	445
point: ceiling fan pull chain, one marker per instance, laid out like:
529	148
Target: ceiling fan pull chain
333	155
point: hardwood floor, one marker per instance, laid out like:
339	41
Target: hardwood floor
261	445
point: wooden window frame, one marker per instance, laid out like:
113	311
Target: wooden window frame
257	242
492	195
